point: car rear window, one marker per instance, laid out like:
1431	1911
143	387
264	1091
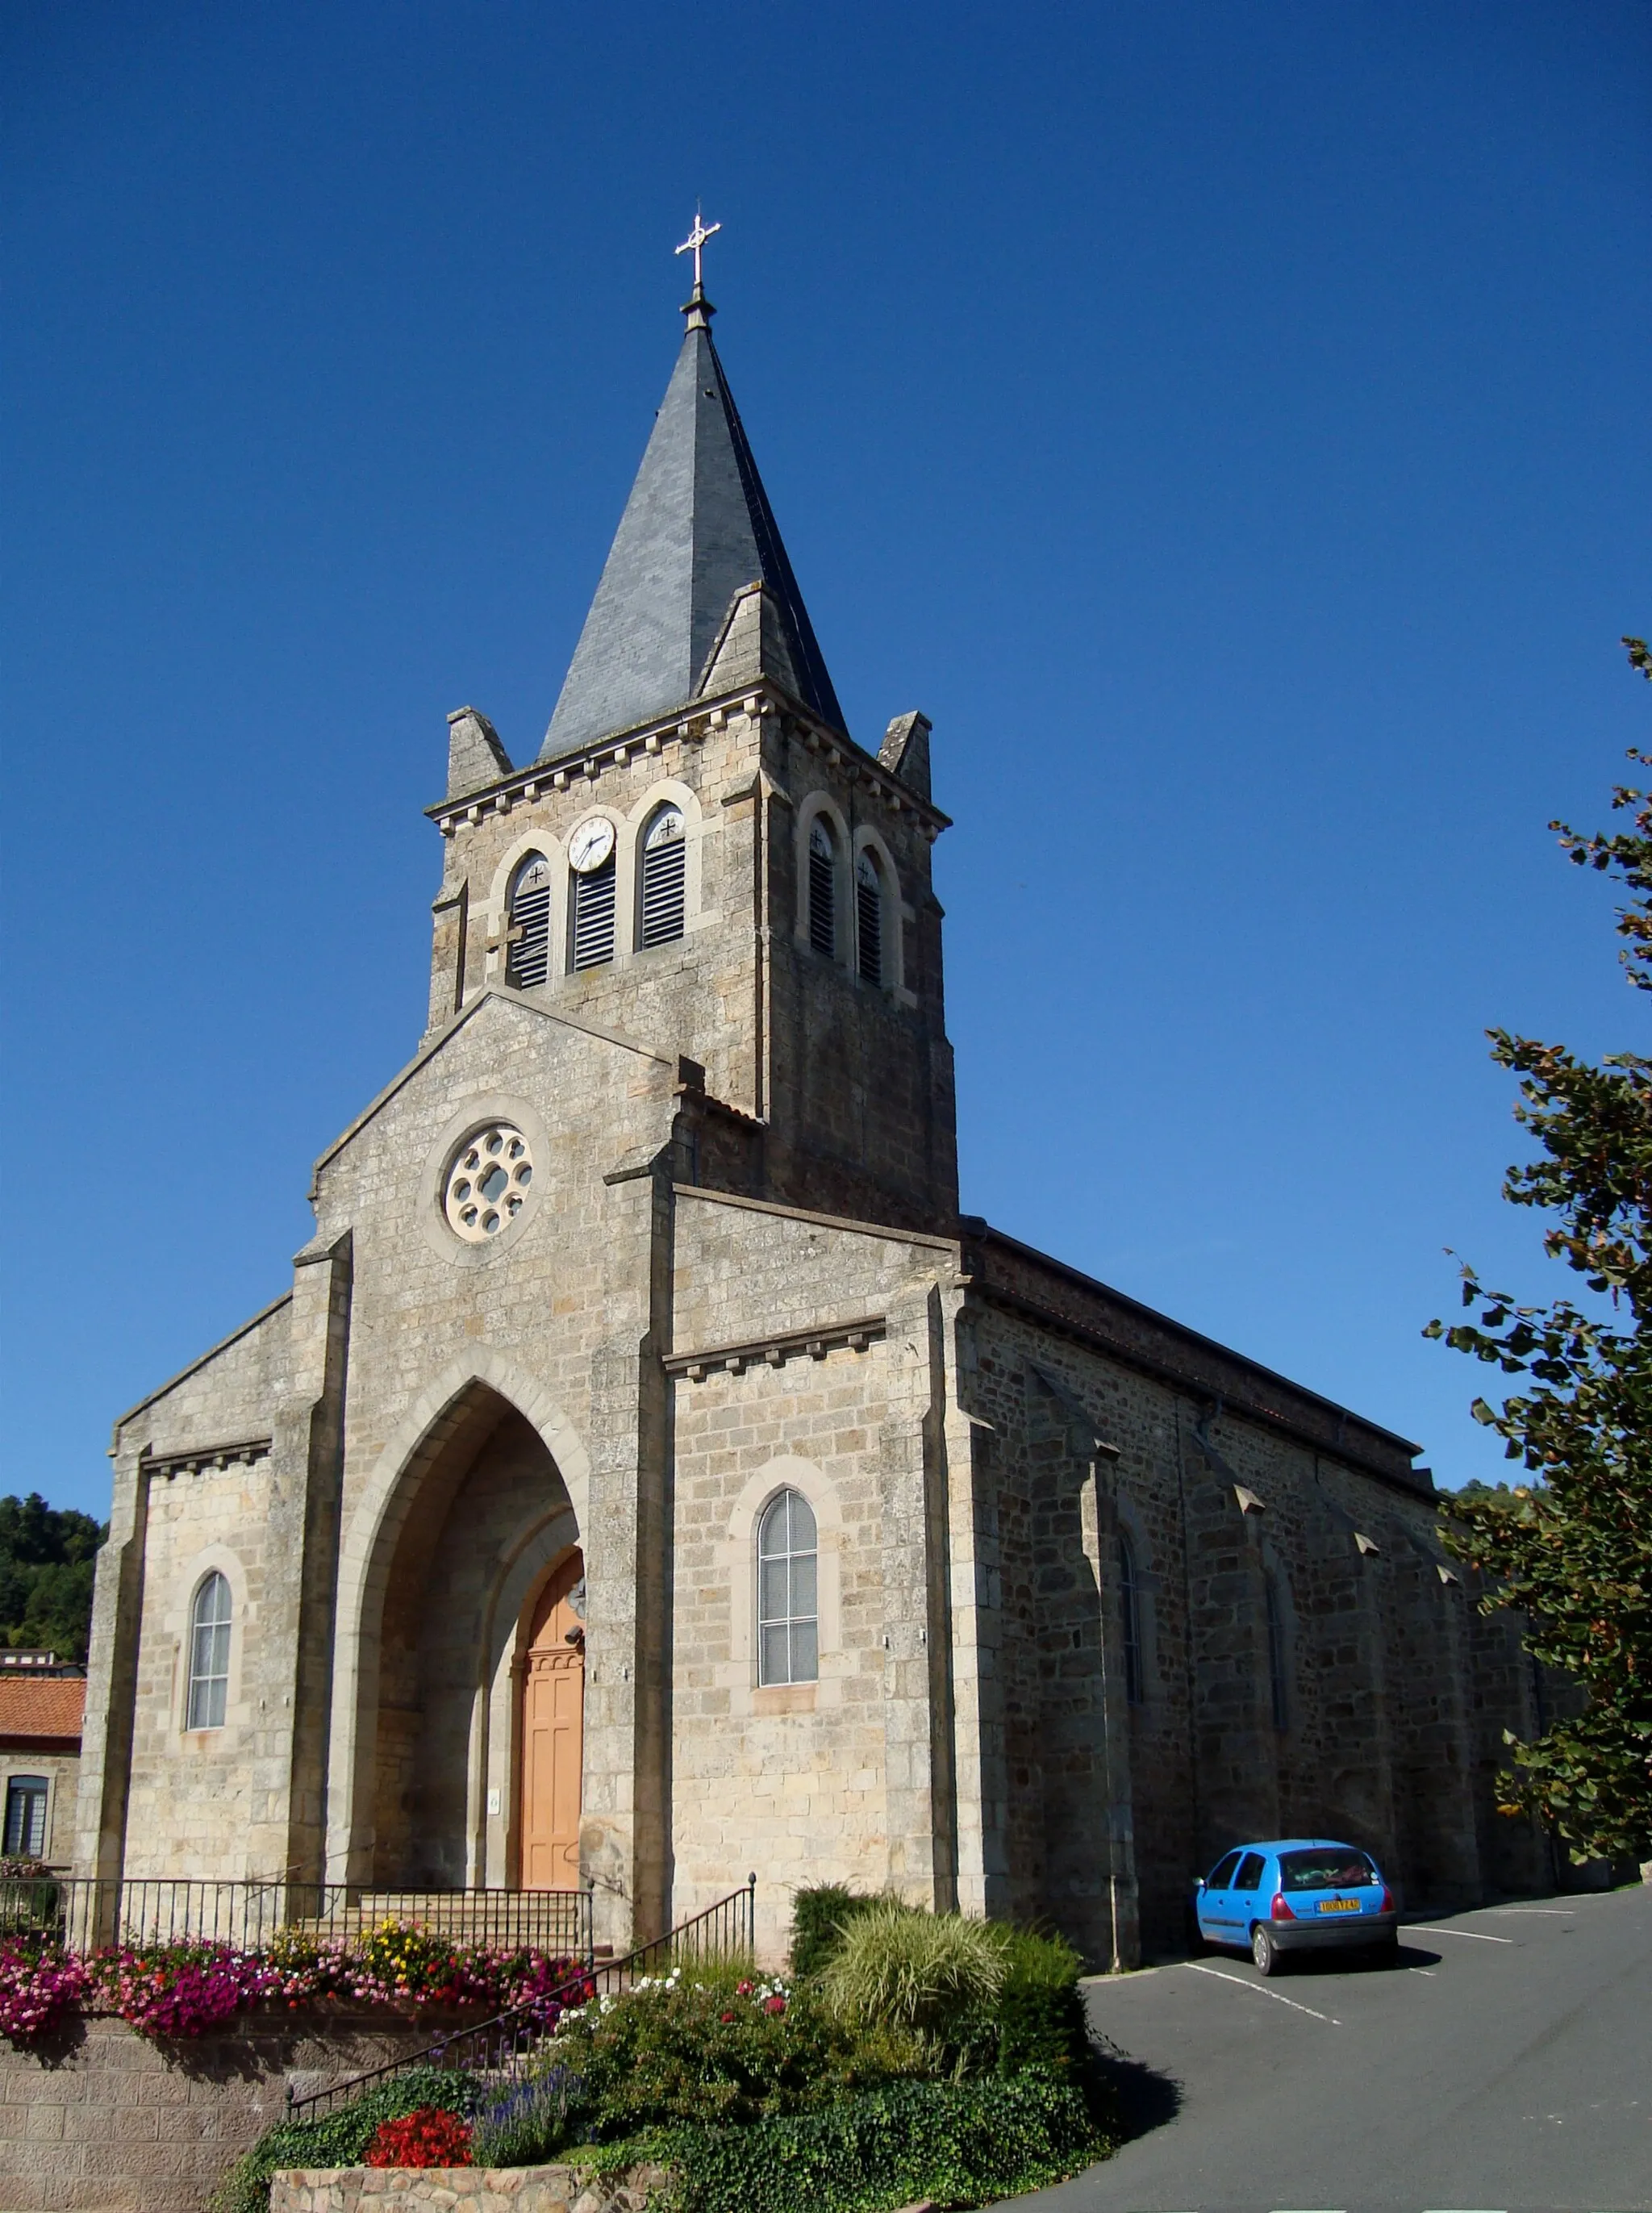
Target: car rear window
1326	1866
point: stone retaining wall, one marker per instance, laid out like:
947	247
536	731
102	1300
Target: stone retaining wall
96	2118
472	2188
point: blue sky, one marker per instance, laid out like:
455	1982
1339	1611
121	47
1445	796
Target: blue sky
1227	421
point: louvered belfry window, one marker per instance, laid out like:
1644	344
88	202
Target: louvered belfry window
664	878
592	920
868	918
528	959
822	890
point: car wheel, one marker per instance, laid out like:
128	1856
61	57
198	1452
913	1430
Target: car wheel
1264	1950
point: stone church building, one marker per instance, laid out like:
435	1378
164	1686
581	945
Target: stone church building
650	1475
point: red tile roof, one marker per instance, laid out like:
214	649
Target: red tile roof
42	1706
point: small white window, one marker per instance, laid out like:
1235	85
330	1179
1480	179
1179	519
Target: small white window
26	1797
868	917
209	1655
789	1645
822	889
528	959
664	878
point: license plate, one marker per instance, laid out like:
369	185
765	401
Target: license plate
1338	1905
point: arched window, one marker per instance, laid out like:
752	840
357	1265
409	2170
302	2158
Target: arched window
1130	1608
209	1654
664	878
528	958
1277	1686
26	1797
868	917
591	857
788	1622
822	888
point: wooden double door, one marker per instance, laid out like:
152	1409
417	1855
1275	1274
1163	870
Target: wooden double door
552	1736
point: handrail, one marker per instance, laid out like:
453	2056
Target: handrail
501	2045
86	1914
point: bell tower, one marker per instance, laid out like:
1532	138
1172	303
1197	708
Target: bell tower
701	859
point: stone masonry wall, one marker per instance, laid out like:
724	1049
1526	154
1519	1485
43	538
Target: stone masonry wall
480	2189
1358	1714
853	1079
829	1781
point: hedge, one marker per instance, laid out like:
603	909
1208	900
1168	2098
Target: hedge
960	2143
818	1915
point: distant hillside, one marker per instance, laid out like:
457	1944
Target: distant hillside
46	1565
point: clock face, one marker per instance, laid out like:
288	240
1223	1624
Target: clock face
590	845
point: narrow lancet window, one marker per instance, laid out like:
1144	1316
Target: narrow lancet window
868	918
528	959
1278	1687
664	878
788	1620
822	889
1130	1608
209	1654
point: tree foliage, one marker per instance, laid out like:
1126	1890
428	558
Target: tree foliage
47	1562
1572	1549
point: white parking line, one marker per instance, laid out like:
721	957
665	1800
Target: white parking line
1262	1991
1549	1912
1474	1935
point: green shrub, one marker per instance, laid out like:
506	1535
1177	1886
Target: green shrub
926	1974
818	1917
960	2143
1039	2013
341	2137
711	2049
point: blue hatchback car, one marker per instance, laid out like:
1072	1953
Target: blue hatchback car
1297	1894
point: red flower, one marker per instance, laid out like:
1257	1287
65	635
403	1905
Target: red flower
430	2136
743	1990
776	2004
725	2017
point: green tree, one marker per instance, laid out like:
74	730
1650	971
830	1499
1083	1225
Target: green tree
47	1561
1573	1549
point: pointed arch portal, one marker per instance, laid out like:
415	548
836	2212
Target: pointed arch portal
467	1523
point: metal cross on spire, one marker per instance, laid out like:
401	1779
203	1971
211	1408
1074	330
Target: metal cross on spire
696	240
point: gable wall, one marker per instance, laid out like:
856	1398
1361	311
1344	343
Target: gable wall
841	1780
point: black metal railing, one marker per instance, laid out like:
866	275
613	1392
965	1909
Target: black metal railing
86	1915
502	2048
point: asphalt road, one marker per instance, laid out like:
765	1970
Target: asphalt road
1505	2067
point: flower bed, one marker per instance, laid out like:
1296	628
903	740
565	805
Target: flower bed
926	2056
185	1990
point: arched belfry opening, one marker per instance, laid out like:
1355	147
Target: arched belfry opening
472	1775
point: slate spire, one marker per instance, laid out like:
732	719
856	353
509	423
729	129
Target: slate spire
697	530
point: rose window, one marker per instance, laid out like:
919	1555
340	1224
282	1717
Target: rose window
486	1186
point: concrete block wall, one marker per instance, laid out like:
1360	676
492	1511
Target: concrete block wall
99	2120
